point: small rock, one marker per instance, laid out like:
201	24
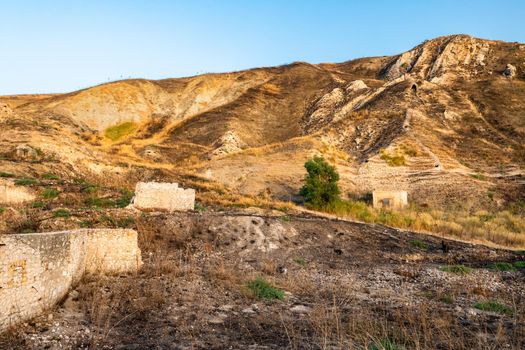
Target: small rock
510	71
300	309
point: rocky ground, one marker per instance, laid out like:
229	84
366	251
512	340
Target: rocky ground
345	284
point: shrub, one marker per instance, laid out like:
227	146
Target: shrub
519	264
2	209
300	261
457	269
494	306
264	290
61	213
50	193
26	181
4	174
320	188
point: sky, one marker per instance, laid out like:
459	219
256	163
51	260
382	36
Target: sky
64	45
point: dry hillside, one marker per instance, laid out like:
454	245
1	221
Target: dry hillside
445	121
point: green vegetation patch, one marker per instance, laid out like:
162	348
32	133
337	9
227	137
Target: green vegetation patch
457	269
300	261
117	132
50	193
502	266
38	204
416	243
49	176
125	198
264	290
478	176
61	213
494	306
4	174
393	159
26	181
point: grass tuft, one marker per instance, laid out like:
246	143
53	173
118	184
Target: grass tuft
26	181
502	266
416	243
264	290
61	213
49	176
494	306
457	269
4	174
50	193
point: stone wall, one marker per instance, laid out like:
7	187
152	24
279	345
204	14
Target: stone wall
37	270
390	199
163	196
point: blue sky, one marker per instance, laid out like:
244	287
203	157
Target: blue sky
60	46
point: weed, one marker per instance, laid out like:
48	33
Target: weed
264	290
2	209
494	306
4	174
26	181
447	299
38	204
416	243
502	266
99	202
519	264
119	131
200	207
86	224
49	176
50	193
61	213
125	198
457	269
300	262
285	218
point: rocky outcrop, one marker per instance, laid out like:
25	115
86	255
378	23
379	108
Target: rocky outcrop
510	71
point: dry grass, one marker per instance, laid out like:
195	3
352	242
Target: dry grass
504	228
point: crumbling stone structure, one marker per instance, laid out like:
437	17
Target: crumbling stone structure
38	269
163	196
390	199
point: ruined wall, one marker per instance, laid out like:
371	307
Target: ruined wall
38	269
163	196
390	199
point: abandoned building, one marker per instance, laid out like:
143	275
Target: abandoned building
163	196
383	199
38	269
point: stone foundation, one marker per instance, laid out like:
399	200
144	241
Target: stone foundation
37	270
161	196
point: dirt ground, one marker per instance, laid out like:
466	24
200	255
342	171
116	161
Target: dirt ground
347	285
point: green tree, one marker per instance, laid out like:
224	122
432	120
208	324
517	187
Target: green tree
320	188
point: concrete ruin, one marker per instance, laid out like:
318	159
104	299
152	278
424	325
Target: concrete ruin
37	270
383	199
12	194
163	196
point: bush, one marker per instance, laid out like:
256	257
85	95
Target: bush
264	290
125	198
320	188
393	159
